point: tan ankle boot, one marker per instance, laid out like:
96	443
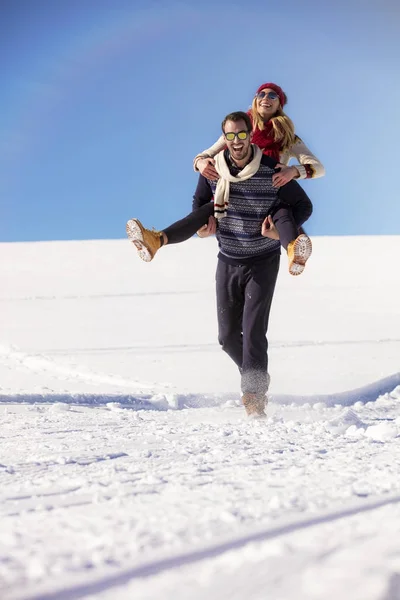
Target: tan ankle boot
145	241
299	251
254	404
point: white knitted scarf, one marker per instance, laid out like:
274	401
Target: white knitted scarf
221	196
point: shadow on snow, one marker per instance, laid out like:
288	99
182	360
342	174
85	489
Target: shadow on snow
170	401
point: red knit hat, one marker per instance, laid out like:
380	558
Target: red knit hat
277	89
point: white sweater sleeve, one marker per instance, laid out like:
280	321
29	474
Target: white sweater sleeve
210	152
308	165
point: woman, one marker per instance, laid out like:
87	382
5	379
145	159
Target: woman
273	132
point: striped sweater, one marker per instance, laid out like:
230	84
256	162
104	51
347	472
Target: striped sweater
239	233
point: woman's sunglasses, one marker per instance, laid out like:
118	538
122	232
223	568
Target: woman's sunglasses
241	135
270	95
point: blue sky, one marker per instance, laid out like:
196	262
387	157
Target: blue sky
105	103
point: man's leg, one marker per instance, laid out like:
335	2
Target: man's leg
148	242
230	300
261	280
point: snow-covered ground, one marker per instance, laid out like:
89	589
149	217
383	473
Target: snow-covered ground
127	466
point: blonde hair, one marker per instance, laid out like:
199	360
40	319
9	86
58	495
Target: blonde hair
282	126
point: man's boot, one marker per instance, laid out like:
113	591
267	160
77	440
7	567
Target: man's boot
145	241
299	251
255	404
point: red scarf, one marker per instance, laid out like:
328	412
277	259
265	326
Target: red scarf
265	140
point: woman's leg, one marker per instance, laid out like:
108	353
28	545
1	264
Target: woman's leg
296	243
148	242
182	230
285	224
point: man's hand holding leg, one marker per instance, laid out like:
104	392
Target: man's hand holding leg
208	229
268	229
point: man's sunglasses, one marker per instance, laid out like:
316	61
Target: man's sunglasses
270	95
241	135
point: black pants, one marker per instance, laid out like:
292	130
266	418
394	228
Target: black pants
285	224
185	228
182	230
244	296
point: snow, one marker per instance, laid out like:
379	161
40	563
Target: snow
127	466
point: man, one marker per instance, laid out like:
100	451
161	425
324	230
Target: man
248	261
249	257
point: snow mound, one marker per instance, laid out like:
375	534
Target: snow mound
60	407
382	432
343	422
